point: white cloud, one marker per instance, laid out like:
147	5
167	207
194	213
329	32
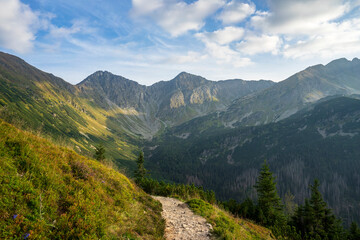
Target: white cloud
223	54
236	11
299	17
260	44
63	32
355	3
309	29
223	36
177	17
18	25
144	7
340	39
78	26
190	57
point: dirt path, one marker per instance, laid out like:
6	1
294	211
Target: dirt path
181	222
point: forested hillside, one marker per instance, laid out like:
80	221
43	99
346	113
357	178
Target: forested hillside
321	142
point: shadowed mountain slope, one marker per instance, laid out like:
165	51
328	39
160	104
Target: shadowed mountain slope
321	142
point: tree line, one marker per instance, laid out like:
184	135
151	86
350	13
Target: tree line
312	220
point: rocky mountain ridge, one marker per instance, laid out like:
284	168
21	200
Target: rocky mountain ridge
105	108
167	103
339	77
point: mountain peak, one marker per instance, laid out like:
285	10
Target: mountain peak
184	75
101	73
340	65
188	81
338	62
101	76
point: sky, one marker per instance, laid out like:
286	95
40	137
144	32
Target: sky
153	40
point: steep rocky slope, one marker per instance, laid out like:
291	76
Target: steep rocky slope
166	103
339	77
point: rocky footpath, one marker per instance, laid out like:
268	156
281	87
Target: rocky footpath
181	222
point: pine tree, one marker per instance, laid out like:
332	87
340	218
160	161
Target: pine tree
99	153
268	198
318	207
315	220
140	172
354	233
289	204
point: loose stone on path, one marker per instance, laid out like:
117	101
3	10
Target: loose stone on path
181	222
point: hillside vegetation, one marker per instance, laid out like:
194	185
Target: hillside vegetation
34	100
322	142
225	225
50	192
204	203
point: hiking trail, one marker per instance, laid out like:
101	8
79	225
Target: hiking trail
181	222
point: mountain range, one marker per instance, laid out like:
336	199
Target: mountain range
108	109
210	133
166	103
339	77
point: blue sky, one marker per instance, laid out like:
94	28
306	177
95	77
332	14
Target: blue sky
152	40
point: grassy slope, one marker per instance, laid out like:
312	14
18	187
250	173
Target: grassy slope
53	193
38	101
226	226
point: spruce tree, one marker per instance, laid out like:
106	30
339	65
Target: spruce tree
268	199
140	171
315	220
99	153
318	207
354	233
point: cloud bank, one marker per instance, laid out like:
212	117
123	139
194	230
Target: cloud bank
176	17
18	25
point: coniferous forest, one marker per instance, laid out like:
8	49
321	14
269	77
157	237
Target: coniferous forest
287	220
